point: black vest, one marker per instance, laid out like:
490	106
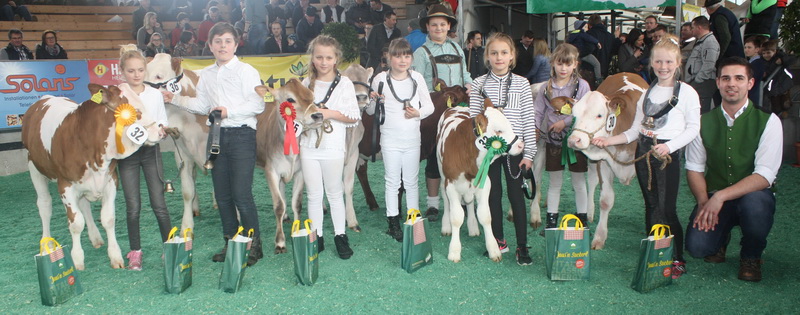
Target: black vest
329	15
736	47
13	54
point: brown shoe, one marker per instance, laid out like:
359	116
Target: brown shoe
750	269
717	258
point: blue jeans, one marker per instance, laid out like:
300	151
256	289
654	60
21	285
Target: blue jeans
7	13
753	212
233	180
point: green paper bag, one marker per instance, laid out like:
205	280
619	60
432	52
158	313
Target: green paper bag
58	280
417	250
568	251
235	261
178	261
305	253
654	269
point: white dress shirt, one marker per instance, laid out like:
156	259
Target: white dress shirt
683	121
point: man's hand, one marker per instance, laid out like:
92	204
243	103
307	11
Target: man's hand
708	214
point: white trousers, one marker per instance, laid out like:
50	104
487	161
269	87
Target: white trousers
399	163
324	175
578	185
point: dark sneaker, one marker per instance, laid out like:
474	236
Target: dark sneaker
678	269
432	214
255	252
503	246
320	244
750	269
343	246
523	259
394	228
220	257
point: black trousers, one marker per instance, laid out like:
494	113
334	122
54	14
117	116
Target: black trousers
515	197
660	200
146	160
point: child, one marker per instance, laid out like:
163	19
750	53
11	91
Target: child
408	102
553	126
156	46
752	50
777	91
323	163
511	94
147	159
229	86
665	128
586	44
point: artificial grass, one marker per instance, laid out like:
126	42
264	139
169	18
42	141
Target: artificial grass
372	281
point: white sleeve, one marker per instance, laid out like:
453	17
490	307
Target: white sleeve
346	102
426	107
690	106
633	133
696	155
770	150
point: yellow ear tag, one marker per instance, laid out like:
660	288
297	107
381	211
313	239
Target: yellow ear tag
566	109
268	97
98	97
449	102
618	111
438	87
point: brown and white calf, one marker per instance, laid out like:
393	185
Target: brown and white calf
596	116
459	160
74	144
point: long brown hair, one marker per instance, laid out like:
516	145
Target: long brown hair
321	40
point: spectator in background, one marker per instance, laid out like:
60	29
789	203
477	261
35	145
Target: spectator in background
138	16
650	24
156	46
540	70
776	93
9	8
180	6
309	27
760	17
358	10
630	54
687	40
15	50
780	7
288	11
725	27
752	51
658	33
379	9
151	26
49	48
474	54
182	26
299	13
278	43
187	46
586	45
333	13
255	26
276	13
524	58
701	66
597	29
205	26
380	37
415	35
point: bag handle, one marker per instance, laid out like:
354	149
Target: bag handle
44	245
238	232
307	223
186	232
250	233
413	215
172	233
295	226
565	220
660	231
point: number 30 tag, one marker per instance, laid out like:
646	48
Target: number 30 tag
136	133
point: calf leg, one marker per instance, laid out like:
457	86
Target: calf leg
456	218
279	207
472	220
190	204
447	229
593	178
91	227
485	218
361	172
348	184
107	218
76	223
43	199
606	203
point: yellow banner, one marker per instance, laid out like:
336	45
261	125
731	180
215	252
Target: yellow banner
274	71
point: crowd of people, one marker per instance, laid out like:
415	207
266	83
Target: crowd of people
732	151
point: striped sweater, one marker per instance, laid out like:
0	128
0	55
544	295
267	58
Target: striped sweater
518	104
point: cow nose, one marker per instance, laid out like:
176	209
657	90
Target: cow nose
316	116
573	141
362	98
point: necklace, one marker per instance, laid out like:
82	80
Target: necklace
406	102
330	91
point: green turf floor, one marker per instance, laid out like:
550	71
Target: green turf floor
372	281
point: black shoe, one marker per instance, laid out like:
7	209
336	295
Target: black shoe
220	257
550	223
343	246
394	228
255	252
583	218
523	259
432	214
320	244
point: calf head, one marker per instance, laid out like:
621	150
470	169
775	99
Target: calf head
360	77
130	112
301	98
163	69
492	122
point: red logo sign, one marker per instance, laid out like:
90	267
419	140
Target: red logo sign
71	280
580	263
29	82
667	272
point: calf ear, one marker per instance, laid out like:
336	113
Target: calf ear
176	65
481	123
487	103
370	71
99	94
114	96
262	90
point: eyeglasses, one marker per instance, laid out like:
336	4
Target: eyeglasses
50	37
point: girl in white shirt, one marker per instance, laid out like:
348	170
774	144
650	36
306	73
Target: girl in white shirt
406	102
147	159
667	119
322	153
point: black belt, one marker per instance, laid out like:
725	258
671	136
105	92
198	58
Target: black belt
379	119
212	147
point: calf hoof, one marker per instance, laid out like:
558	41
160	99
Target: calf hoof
114	264
446	233
286	220
356	228
373	208
196	213
598	244
280	250
97	242
81	267
510	217
454	258
496	259
536	224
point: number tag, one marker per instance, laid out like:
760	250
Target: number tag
173	86
298	128
136	133
480	143
611	122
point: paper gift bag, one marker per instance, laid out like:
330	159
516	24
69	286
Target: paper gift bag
178	261
654	268
417	251
305	253
58	280
568	251
235	261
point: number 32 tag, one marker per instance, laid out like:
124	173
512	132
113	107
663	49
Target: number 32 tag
136	133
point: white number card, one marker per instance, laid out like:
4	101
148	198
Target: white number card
137	133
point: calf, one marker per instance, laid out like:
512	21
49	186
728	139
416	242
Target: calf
459	159
77	145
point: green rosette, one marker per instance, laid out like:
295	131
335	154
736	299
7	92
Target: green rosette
495	145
